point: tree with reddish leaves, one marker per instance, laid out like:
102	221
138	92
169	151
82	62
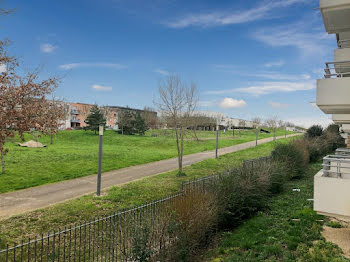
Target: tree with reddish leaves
23	100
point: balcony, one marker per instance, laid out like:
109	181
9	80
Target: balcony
345	128
75	121
332	94
338	68
336	15
341	119
75	112
343	40
331	186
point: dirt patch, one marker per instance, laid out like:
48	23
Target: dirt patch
339	236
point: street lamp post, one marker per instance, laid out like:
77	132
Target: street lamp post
256	136
217	138
101	127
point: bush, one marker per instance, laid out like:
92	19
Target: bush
242	194
314	131
294	156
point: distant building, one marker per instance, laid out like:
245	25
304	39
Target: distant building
78	112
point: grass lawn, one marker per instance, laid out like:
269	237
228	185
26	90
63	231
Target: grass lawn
117	198
74	154
289	230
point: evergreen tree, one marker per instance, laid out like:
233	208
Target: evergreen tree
140	124
95	119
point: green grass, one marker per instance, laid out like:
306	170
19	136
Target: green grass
289	230
74	154
120	197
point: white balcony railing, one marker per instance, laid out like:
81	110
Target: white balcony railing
337	69
336	166
343	151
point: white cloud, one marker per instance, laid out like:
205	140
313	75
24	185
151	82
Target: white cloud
307	122
162	72
232	103
102	88
3	68
278	104
47	48
303	36
274	64
263	88
95	64
224	17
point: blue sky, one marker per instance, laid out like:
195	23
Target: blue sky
248	58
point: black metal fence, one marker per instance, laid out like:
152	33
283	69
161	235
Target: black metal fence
116	237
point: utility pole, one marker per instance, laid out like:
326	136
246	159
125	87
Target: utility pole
285	131
256	136
217	137
101	127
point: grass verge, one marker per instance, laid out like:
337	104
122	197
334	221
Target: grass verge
75	153
289	230
119	197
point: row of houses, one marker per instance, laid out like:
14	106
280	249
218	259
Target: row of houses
78	112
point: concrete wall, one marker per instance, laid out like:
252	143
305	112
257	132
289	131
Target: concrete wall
331	195
332	95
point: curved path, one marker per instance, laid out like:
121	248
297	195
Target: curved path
21	201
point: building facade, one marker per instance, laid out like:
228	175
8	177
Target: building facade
332	183
78	112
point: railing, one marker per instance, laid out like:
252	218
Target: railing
113	238
75	112
336	165
75	120
344	43
331	72
342	151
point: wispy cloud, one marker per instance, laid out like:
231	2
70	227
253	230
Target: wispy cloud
264	74
3	68
263	88
211	103
162	72
224	17
229	102
303	36
94	64
102	88
274	64
47	48
278	104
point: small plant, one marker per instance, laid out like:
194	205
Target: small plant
334	224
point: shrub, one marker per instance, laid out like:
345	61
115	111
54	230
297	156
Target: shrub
242	194
314	131
294	156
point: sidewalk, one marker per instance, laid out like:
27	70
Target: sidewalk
38	197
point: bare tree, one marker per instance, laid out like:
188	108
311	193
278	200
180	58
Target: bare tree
256	122
272	123
177	101
241	124
54	114
150	117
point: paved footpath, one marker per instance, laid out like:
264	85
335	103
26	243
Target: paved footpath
21	201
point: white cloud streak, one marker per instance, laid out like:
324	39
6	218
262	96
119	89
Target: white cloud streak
98	64
304	38
162	72
224	17
263	88
278	104
307	122
274	64
229	102
47	48
102	88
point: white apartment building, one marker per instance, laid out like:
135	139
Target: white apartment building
332	183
